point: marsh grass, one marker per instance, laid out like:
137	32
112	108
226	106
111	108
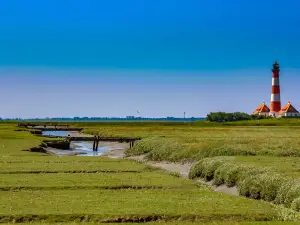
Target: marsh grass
69	188
14	142
109	204
72	166
161	222
198	143
252	181
97	180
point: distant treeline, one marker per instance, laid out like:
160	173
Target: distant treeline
111	119
230	117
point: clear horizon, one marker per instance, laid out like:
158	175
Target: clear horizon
86	58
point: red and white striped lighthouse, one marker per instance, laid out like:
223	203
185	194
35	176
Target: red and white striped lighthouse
275	105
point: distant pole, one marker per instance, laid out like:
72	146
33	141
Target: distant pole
184	117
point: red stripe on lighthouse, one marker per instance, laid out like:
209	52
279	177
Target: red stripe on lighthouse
275	106
275	89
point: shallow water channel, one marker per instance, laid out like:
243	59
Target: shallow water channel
78	148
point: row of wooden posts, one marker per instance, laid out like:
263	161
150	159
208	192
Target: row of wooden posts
97	139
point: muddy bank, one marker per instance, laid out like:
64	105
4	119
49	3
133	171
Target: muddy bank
179	168
60	152
67	147
63	145
49	147
183	170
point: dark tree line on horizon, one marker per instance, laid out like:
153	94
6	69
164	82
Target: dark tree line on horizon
230	117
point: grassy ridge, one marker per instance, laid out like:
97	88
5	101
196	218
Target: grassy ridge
108	204
72	166
99	180
54	159
13	142
179	223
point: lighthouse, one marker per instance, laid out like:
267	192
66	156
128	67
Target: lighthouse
275	105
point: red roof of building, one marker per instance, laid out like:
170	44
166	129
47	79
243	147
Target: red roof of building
262	108
288	108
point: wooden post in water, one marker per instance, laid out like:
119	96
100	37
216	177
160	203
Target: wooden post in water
97	143
94	144
130	144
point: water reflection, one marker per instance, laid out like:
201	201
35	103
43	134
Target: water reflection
84	148
61	133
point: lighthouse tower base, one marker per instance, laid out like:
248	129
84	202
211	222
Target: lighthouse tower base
275	114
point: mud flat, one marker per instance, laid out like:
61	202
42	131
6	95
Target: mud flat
61	152
84	148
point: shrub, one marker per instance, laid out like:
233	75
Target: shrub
288	192
253	182
261	186
285	214
163	150
227	174
296	204
145	146
227	117
210	166
196	170
206	168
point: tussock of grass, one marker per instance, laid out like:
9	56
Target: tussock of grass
156	148
206	168
262	186
253	182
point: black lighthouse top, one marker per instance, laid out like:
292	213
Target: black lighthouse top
275	67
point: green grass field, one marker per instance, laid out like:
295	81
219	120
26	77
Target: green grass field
194	142
179	223
40	188
75	166
110	204
93	180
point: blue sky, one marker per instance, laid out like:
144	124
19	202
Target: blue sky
161	57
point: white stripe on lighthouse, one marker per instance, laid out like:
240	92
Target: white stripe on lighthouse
275	97
275	81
